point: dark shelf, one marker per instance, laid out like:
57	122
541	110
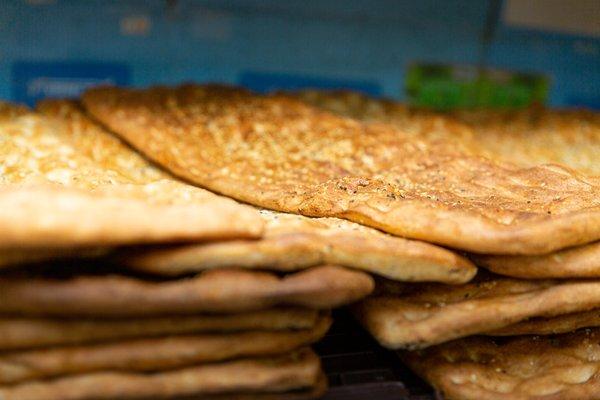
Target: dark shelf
358	368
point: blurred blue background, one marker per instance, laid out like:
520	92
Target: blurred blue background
56	48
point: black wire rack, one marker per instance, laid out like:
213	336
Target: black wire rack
358	368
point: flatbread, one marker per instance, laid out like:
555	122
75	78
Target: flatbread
553	325
296	371
526	137
154	354
63	187
69	217
281	154
414	316
522	368
538	135
22	332
217	291
414	122
292	242
576	262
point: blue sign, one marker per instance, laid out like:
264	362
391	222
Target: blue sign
33	81
264	82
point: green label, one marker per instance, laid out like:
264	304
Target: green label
445	87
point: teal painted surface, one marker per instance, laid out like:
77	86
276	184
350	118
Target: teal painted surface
363	42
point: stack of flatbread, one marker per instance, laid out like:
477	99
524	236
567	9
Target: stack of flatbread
537	319
119	280
77	322
130	266
414	185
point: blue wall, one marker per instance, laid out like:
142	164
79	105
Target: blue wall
364	44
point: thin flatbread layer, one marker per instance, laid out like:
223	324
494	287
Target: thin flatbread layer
526	137
292	242
521	368
153	354
279	153
22	332
216	291
62	186
296	371
552	325
416	316
575	262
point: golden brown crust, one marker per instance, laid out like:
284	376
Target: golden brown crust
575	262
292	242
281	154
22	332
217	291
296	371
68	183
155	354
417	316
563	367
